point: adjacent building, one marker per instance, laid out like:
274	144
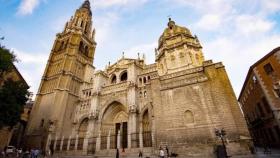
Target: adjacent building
6	133
260	99
178	101
17	138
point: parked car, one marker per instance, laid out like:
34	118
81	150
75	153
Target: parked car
10	150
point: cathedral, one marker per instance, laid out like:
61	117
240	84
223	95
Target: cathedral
177	102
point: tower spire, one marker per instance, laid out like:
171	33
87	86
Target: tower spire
86	5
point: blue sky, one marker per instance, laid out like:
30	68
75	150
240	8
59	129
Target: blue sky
236	32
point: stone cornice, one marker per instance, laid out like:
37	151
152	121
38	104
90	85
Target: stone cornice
184	82
181	73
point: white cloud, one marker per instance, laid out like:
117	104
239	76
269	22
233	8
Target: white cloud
30	64
209	22
248	24
103	25
147	49
270	5
27	6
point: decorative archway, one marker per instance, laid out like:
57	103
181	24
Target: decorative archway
83	128
146	129
113	122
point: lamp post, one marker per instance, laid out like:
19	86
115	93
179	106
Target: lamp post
221	134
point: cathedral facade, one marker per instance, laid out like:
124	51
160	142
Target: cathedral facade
178	101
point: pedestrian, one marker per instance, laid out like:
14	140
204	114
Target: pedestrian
32	153
117	154
3	153
161	153
51	150
167	151
140	154
36	153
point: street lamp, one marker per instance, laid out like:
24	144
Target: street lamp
221	134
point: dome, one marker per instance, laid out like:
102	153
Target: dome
173	30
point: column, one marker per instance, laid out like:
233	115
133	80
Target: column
54	145
49	139
85	144
76	141
153	132
61	143
108	140
98	141
132	129
68	144
119	140
141	136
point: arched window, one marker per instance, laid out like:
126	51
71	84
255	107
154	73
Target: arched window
82	23
81	46
145	80
188	117
86	50
140	80
65	45
124	76
145	94
114	79
86	28
61	46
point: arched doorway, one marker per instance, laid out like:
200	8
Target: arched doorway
114	122
147	134
82	133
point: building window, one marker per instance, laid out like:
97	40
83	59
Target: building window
188	117
268	68
140	80
81	46
145	94
266	105
86	50
124	76
254	79
114	79
140	94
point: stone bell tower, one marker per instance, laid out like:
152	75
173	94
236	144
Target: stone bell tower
68	67
177	49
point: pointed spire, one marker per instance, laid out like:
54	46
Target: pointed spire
86	5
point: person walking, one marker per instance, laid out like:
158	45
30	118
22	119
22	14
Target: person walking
167	151
140	154
117	153
161	153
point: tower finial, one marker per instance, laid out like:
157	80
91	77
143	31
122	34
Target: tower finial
169	18
86	5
